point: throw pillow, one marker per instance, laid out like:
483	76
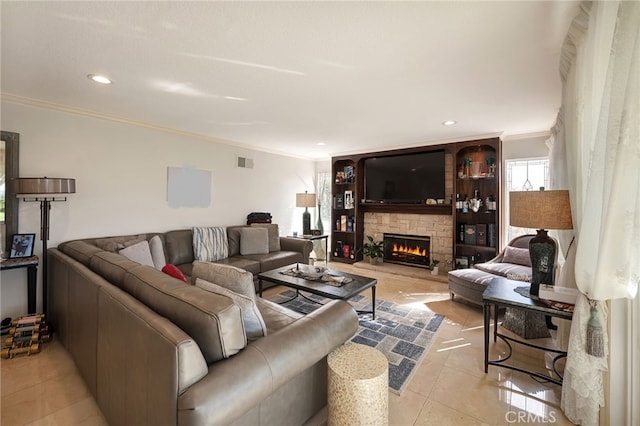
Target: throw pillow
254	241
138	252
235	279
210	243
516	255
157	253
173	271
274	235
254	325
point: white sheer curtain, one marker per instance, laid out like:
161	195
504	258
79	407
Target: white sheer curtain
596	155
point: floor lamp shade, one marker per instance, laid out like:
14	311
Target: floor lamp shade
541	210
45	191
45	185
306	200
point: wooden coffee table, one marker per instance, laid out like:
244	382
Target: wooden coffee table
344	292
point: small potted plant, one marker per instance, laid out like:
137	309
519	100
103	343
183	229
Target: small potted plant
434	266
373	250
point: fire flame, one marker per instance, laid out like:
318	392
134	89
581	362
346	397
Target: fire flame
416	250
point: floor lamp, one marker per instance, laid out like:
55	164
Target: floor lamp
45	191
306	200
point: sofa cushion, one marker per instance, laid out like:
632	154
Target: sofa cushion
254	241
276	316
139	252
112	266
81	251
157	252
254	325
212	320
173	271
114	244
241	262
504	269
518	256
233	238
274	235
179	246
230	277
277	259
210	243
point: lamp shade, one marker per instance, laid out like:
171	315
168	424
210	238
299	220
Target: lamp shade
305	200
45	185
540	209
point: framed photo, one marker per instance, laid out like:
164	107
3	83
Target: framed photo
21	245
462	262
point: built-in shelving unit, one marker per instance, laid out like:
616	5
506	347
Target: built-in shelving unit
477	201
348	178
346	217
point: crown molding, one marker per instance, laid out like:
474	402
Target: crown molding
22	100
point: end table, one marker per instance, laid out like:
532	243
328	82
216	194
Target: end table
31	263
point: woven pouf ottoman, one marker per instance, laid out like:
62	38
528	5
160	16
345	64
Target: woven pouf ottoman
358	386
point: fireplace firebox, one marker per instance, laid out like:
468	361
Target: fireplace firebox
413	250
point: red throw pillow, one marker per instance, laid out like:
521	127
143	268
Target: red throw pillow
174	272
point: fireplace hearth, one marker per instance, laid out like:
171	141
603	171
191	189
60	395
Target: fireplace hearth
412	250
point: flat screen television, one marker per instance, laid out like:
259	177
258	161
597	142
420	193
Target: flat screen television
405	178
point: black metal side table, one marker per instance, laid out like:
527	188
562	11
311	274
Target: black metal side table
501	293
31	263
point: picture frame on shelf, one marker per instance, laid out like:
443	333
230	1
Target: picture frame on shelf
462	262
22	245
348	200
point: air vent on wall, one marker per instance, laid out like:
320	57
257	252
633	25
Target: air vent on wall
245	163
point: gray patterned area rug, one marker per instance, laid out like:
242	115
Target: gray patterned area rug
402	333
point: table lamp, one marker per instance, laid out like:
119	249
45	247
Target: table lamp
541	210
45	191
306	200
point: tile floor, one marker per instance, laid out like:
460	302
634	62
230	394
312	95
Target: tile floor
449	388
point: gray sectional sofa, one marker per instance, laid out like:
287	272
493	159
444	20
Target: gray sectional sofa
156	351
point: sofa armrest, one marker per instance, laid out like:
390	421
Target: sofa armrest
236	384
297	244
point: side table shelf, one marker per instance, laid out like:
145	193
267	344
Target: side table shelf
31	263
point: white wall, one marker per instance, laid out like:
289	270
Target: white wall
517	148
121	178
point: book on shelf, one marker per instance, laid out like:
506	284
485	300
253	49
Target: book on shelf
348	174
555	293
343	223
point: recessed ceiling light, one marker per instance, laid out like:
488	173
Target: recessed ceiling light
449	123
99	78
321	144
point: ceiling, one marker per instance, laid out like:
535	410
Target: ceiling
286	76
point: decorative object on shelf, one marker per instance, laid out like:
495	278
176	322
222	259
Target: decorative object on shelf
467	167
373	249
542	210
491	164
306	200
44	191
340	177
476	169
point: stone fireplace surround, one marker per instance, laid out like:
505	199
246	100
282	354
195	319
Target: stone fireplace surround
438	227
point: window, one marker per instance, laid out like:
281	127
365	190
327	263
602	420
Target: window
523	175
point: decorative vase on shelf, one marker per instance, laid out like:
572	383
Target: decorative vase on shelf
319	224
